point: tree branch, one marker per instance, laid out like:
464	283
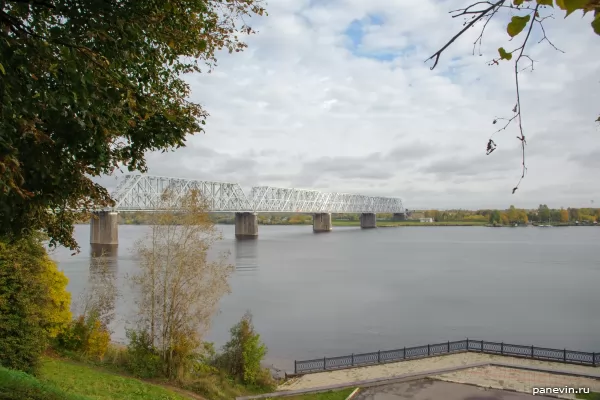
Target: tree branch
540	20
522	135
482	14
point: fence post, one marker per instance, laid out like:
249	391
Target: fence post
448	346
531	351
565	355
378	356
353	359
428	350
482	346
502	348
324	363
295	367
594	359
467	344
405	352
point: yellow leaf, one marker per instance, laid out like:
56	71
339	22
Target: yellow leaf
2	69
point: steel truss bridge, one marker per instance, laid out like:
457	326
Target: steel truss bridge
145	193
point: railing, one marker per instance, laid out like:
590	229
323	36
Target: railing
430	350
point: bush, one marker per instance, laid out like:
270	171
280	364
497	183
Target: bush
34	303
85	336
116	355
144	360
16	385
244	352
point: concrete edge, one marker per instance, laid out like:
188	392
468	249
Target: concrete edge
351	395
297	375
546	370
363	383
414	376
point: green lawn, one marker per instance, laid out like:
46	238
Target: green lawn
590	396
337	395
75	378
17	385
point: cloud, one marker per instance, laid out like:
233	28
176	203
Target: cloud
335	95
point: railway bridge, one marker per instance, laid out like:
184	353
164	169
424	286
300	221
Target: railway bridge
144	193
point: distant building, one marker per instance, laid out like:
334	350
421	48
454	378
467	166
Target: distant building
428	220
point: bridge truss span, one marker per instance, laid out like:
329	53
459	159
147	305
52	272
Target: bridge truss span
145	193
273	199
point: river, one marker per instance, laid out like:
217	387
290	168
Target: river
353	290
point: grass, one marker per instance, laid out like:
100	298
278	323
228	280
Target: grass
336	395
16	385
95	384
588	396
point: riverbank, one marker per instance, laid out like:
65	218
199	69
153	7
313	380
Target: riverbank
503	377
380	224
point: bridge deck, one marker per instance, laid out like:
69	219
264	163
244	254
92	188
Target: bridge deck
145	193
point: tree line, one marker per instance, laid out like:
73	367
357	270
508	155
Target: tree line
513	215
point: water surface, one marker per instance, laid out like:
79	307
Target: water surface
353	290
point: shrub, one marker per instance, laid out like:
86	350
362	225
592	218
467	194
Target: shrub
144	360
117	355
85	336
244	352
34	303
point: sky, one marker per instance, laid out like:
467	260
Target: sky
335	95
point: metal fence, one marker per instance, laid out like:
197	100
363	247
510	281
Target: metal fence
429	350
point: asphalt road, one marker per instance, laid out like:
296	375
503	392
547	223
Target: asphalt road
438	390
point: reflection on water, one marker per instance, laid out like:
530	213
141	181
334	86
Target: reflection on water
246	255
356	290
109	250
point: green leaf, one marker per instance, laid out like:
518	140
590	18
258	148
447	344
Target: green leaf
572	5
517	2
596	24
517	24
2	69
503	54
545	3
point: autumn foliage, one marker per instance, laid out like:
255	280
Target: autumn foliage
89	88
34	303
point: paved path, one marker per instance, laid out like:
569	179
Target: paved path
519	380
434	390
423	365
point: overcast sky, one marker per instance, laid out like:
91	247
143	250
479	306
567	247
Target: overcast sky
334	95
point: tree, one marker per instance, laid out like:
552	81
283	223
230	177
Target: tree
34	302
513	215
544	213
244	352
525	16
89	88
179	287
495	217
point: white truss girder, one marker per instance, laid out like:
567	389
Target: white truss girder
144	193
272	199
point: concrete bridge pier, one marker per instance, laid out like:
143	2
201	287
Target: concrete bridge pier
246	225
322	222
104	228
399	217
368	220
